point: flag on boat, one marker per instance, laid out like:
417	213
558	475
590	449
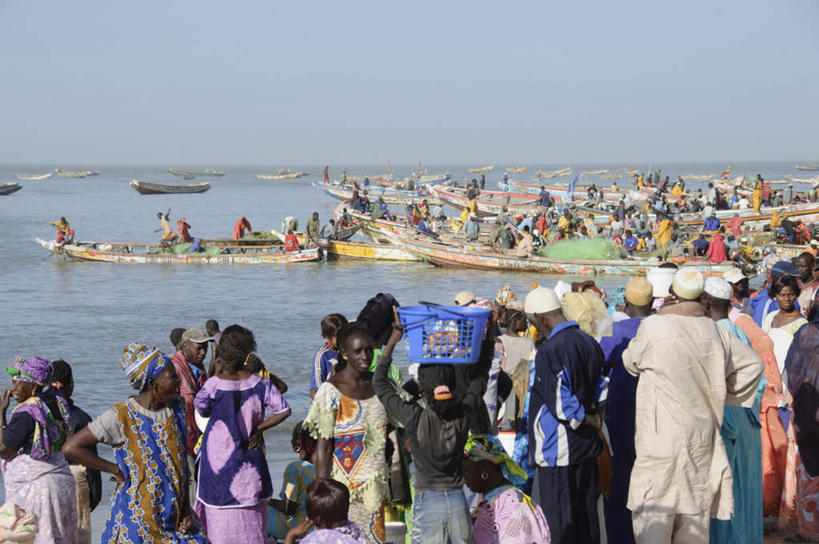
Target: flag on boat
572	185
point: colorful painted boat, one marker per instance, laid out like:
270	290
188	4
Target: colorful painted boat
8	188
145	188
33	177
115	252
561	192
346	250
390	196
473	256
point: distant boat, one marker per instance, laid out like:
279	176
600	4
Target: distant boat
185	174
32	177
145	188
807	168
284	174
595	172
8	188
482	169
73	173
93	172
518	170
554	173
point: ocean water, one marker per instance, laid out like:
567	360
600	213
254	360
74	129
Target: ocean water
86	313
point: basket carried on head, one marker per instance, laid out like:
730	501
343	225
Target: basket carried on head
443	334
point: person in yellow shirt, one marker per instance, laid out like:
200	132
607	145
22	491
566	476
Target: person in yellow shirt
641	244
64	231
664	232
473	206
564	222
677	191
776	221
640	181
757	197
458	223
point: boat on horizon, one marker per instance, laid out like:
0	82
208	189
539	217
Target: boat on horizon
807	168
190	174
76	174
482	169
146	188
34	177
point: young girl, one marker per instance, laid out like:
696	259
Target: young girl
438	433
326	357
289	510
328	503
350	425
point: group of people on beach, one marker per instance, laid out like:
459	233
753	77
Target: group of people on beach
676	409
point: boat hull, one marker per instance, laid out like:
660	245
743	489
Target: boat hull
358	251
145	188
34	177
8	188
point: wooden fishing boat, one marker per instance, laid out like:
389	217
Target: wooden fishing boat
72	173
561	192
34	177
517	170
8	188
482	169
390	196
239	253
432	179
283	174
489	202
807	168
553	174
347	250
595	172
145	188
186	174
478	257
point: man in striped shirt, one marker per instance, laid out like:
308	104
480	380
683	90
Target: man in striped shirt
566	401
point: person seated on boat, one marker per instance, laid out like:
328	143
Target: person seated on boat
473	192
525	245
183	231
731	245
471	228
541	224
700	245
677	190
168	235
423	208
365	202
614	187
545	199
415	214
565	221
582	232
801	233
291	243
787	229
346	219
615	227
733	200
328	231
438	223
64	232
717	252
766	191
425	227
241	226
630	242
776	199
712	223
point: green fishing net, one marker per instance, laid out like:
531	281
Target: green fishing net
583	249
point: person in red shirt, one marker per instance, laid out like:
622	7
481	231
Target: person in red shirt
766	193
291	243
240	227
326	174
735	225
182	228
716	250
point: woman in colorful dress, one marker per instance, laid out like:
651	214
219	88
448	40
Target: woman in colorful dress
35	472
148	434
328	504
505	514
234	483
350	424
782	324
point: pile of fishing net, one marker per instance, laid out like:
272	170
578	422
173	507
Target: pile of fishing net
586	249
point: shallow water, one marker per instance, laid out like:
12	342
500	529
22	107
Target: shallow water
86	312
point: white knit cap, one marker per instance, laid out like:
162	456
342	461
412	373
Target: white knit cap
718	288
733	275
688	284
541	300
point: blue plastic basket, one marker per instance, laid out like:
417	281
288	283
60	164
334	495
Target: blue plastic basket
443	334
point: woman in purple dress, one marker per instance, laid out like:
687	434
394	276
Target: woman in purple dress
234	482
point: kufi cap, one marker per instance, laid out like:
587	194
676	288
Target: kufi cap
688	284
733	275
639	291
718	288
541	300
464	298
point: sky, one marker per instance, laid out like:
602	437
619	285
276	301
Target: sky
291	83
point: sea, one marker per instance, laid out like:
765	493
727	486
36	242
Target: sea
85	313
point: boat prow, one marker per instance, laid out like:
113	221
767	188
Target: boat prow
8	188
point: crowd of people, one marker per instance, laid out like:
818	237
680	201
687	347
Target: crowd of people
676	409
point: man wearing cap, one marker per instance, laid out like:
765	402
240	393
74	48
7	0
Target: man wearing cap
689	368
191	371
566	397
620	408
763	304
740	432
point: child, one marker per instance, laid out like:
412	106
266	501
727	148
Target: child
326	357
289	510
328	502
88	482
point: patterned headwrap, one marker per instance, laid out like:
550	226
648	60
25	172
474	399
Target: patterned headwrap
34	370
487	447
142	363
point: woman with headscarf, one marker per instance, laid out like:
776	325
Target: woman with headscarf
234	481
148	433
505	514
802	370
35	472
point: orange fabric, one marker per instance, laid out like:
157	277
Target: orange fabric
774	439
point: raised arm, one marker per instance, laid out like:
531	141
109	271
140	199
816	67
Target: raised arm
405	412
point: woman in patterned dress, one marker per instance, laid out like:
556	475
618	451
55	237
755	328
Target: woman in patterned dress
350	425
148	434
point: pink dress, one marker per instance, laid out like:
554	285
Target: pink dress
507	516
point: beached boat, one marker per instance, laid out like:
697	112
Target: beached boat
478	257
8	188
390	196
482	169
188	174
34	177
240	253
78	174
347	250
145	188
807	168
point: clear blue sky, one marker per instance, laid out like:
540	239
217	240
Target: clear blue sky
301	82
